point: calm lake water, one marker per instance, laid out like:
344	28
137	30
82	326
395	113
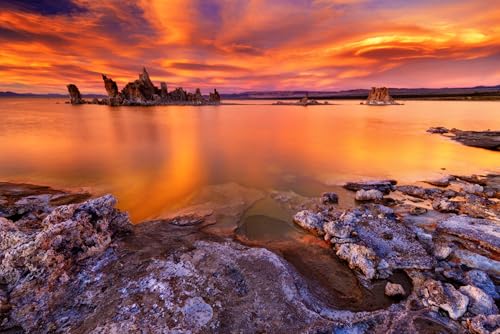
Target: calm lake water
153	158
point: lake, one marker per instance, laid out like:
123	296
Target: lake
153	158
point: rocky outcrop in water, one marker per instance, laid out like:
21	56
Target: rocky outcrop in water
489	140
214	97
379	96
74	95
142	92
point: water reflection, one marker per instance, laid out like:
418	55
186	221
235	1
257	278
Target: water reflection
153	158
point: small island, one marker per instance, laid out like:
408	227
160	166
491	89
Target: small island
379	96
142	92
305	101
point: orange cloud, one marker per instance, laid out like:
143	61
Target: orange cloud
249	45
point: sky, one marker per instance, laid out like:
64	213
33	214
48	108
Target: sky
249	45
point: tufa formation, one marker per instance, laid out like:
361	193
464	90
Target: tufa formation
142	92
380	96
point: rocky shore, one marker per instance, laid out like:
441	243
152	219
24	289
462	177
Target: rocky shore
445	238
75	264
489	140
142	92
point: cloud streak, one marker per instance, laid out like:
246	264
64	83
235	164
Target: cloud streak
237	45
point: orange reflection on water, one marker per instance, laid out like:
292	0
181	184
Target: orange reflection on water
154	158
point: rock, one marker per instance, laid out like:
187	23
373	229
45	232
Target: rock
146	85
481	280
163	91
379	96
482	324
74	95
358	257
446	297
489	140
214	97
329	198
445	205
438	129
369	195
342	229
476	235
394	290
114	96
473	188
376	228
441	182
178	95
142	92
479	301
442	251
478	179
419	192
474	260
310	221
68	234
198	98
384	186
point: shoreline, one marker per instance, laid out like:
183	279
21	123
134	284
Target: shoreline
298	260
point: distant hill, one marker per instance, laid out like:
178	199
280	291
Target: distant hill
60	96
479	91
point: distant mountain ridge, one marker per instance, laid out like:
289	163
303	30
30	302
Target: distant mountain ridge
363	93
51	95
477	91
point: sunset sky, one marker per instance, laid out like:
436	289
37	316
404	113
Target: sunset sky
241	45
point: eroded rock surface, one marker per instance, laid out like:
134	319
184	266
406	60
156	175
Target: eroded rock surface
74	265
446	239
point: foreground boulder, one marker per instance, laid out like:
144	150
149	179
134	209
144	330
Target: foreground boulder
37	265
